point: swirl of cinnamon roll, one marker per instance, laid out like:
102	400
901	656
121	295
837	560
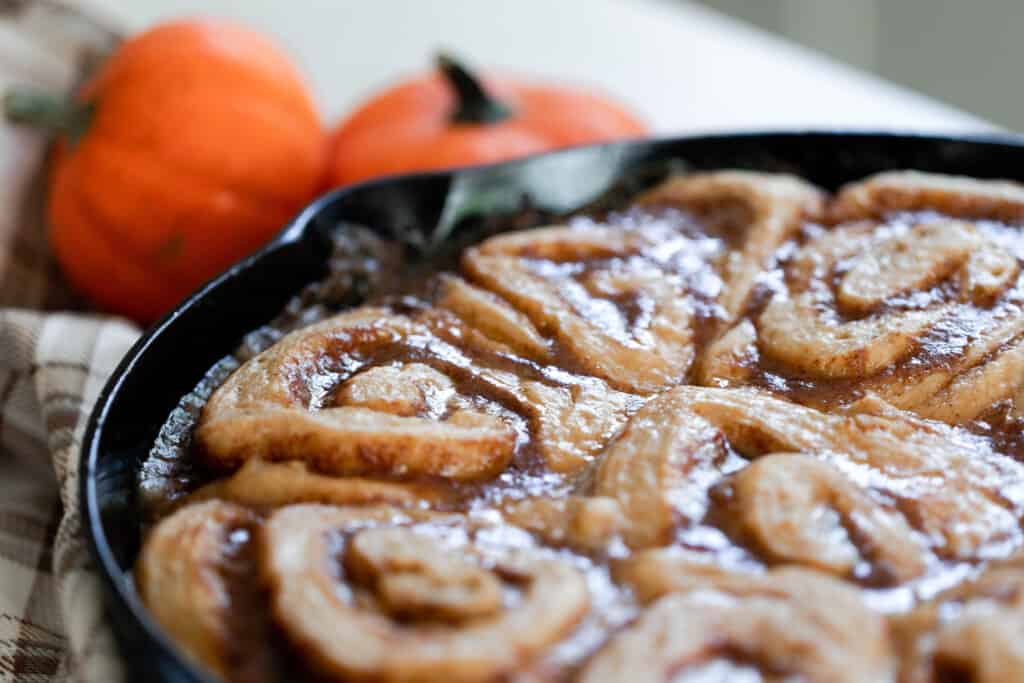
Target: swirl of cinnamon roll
619	318
440	599
336	396
572	417
787	622
661	467
626	303
193	574
883	194
492	319
841	529
971	632
915	296
651	480
961	498
752	212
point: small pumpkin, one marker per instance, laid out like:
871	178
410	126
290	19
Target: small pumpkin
449	118
190	147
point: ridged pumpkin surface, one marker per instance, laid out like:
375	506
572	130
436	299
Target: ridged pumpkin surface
203	142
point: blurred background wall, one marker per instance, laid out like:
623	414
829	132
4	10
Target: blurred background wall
967	52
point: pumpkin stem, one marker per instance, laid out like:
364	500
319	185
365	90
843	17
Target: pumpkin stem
49	112
473	104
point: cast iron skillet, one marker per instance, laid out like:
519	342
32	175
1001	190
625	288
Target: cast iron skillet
172	357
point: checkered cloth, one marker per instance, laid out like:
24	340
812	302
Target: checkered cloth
52	366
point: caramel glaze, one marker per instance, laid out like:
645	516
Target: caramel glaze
246	606
693	243
249	654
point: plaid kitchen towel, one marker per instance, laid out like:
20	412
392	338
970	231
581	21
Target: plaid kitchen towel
52	366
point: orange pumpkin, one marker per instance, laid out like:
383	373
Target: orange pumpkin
194	143
448	119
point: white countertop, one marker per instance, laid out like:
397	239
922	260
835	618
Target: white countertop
682	67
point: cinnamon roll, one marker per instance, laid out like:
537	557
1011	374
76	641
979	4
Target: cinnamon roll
625	320
627	303
786	623
840	524
195	575
321	395
914	294
961	498
755	213
414	602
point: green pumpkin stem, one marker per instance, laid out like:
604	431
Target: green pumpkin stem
49	112
473	104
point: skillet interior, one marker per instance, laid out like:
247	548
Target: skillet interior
172	357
